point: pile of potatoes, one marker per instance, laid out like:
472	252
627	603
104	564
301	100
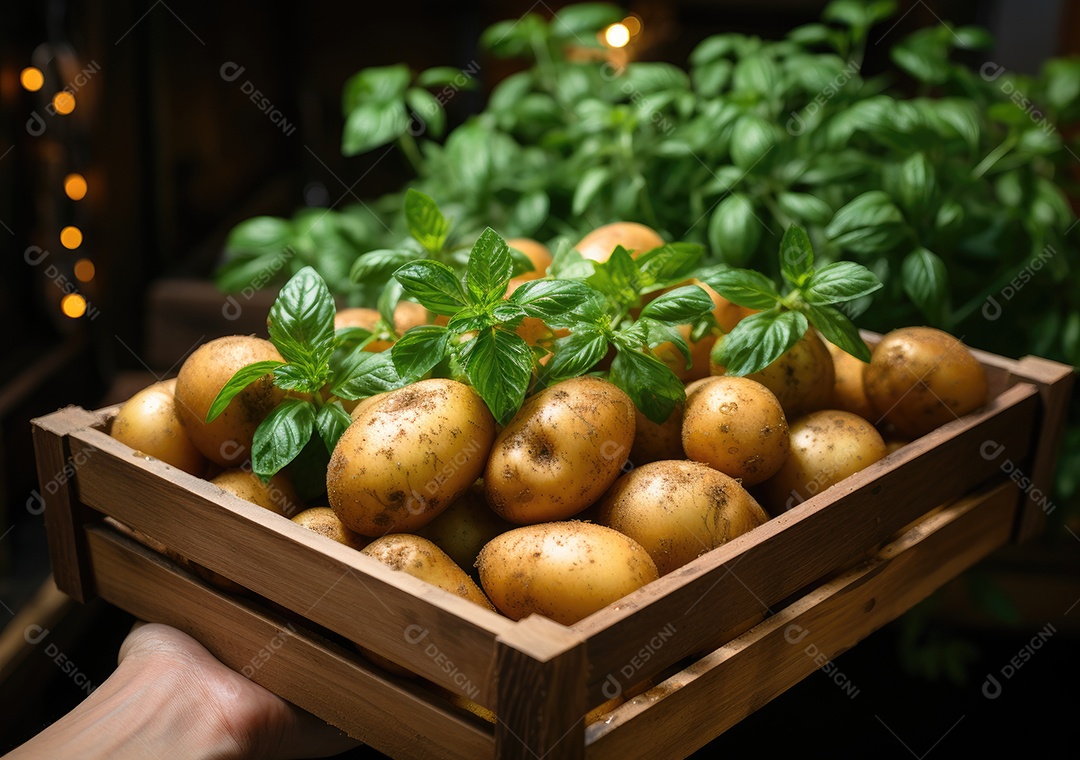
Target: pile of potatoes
579	500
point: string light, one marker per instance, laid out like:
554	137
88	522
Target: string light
617	35
73	305
32	79
84	270
63	102
75	186
71	237
633	25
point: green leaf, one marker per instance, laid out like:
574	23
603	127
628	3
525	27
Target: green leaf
709	79
488	271
371	125
756	74
378	84
378	266
617	278
658	333
734	229
260	234
583	20
331	421
869	223
243	377
752	138
804	207
796	256
427	109
840	281
649	383
759	340
441	76
679	306
591	183
917	183
499	365
530	212
551	300
672	262
388	300
744	287
568	263
301	324
367	375
926	282
574	355
433	284
838	330
419	349
426	223
281	436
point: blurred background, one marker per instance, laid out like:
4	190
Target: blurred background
136	135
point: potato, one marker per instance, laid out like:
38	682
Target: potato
535	252
849	393
406	314
802	378
601	242
226	440
727	314
919	378
737	426
563	570
148	422
655	441
699	356
678	510
424	560
278	495
325	522
408	455
826	447
464	527
560	452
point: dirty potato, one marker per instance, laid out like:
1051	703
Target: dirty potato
422	559
408	455
678	510
849	393
560	452
563	570
325	522
465	526
655	441
737	426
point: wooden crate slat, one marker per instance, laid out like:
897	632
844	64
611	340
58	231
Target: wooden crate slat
392	613
289	660
838	526
698	704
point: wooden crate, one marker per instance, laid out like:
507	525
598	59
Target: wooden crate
718	638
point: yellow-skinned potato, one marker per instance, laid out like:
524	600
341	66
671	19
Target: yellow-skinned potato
678	510
635	238
560	452
563	570
699	356
148	422
737	426
325	522
408	455
278	495
534	251
919	378
802	378
464	527
849	393
406	314
226	440
422	559
826	447
655	441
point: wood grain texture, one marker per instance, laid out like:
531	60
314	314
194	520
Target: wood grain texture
396	717
825	533
541	682
1055	383
64	514
693	707
435	634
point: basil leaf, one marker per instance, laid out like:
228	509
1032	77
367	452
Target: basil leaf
734	229
551	300
370	125
419	349
659	333
378	266
592	181
292	377
840	281
426	223
759	340
241	379
281	436
574	355
805	207
649	383
744	287
427	110
917	184
796	256
499	365
388	301
375	84
488	270
838	330
617	278
261	235
301	322
569	264
529	213
926	282
368	374
433	284
678	307
870	223
331	421
752	138
672	262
